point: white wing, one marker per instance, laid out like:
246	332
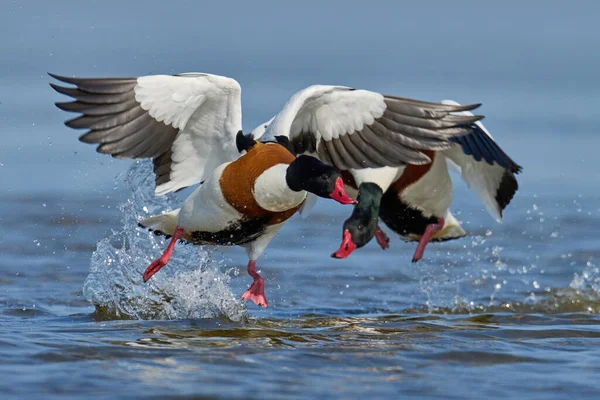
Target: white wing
186	123
485	167
353	129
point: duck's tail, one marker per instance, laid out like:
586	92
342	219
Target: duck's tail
164	224
451	230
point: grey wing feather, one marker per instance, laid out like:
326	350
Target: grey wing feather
359	156
374	157
334	155
117	122
398	136
162	167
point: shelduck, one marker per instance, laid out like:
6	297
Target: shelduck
245	202
190	125
416	204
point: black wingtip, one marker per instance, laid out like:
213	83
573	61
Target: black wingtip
516	168
77	123
244	142
88	137
470	107
64	106
506	190
63	90
61	78
465	107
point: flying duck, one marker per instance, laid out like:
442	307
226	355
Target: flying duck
245	202
416	205
189	124
372	143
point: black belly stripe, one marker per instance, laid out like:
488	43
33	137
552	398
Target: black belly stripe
401	218
237	234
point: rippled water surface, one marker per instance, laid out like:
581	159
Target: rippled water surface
512	307
510	311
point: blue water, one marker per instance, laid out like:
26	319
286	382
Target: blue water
510	311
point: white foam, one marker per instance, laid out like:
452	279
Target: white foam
192	285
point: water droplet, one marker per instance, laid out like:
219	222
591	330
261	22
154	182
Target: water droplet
536	284
43	204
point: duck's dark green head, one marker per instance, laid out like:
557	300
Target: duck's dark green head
360	228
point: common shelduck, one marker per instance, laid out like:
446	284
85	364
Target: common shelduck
372	145
416	205
189	124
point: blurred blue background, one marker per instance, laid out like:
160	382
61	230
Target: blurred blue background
507	309
533	65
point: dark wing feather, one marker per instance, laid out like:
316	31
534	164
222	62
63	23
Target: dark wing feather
396	138
506	190
480	145
117	122
162	167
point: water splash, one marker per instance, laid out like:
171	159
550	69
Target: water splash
192	286
542	272
588	279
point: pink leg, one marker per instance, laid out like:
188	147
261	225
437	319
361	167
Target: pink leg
256	292
164	259
382	239
429	232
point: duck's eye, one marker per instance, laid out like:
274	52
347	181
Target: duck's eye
324	177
